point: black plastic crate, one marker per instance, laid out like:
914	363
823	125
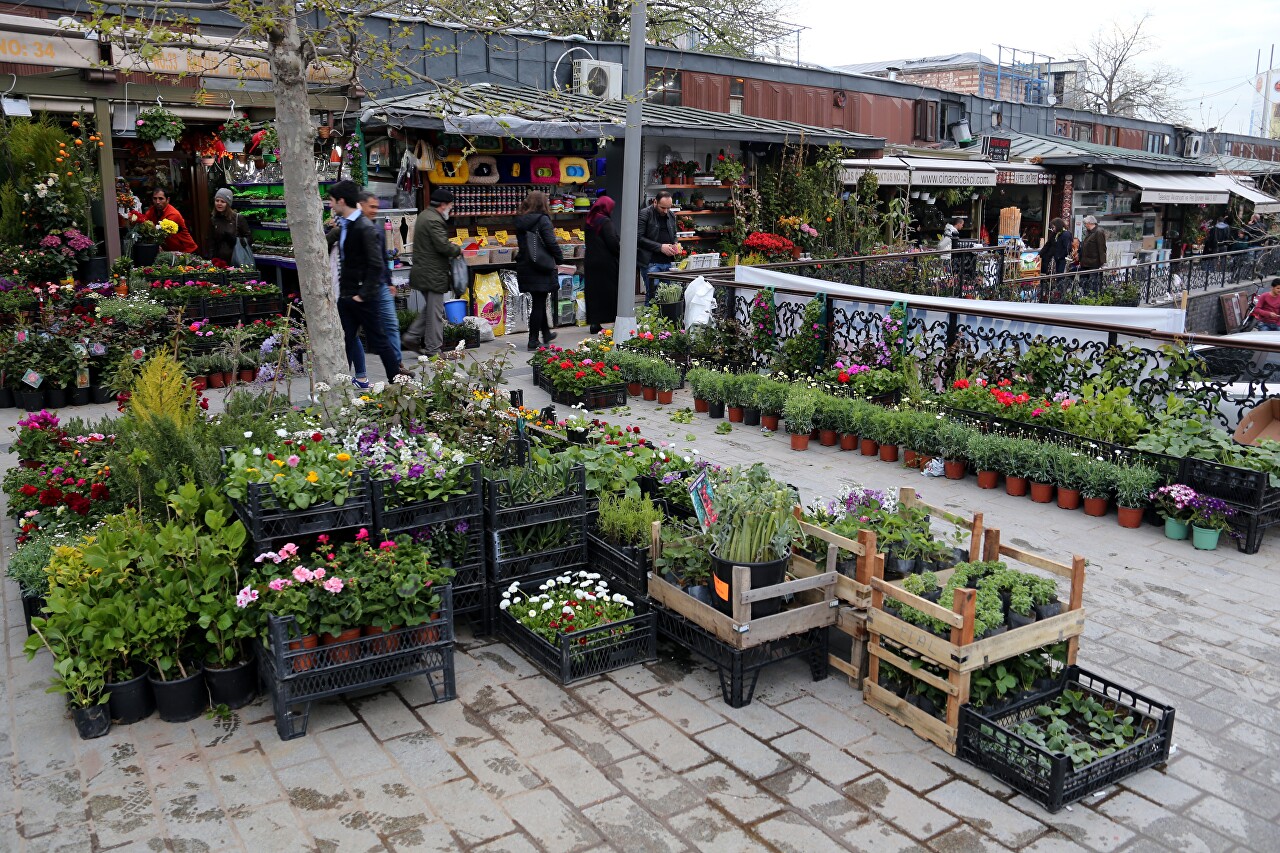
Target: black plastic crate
504	569
629	565
298	677
1051	779
262	306
603	397
586	653
739	669
424	513
268	522
223	308
504	515
475	605
1256	501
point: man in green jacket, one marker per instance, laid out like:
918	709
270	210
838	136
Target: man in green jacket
431	274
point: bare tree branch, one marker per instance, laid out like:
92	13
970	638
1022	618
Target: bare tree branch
1116	82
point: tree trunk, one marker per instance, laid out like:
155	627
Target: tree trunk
297	158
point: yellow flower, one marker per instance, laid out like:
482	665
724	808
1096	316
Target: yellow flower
312	477
251	470
343	457
279	464
279	476
364	397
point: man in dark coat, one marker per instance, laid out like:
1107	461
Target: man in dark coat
432	273
360	277
656	245
1092	253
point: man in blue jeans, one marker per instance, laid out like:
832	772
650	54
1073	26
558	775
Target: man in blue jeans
387	304
656	245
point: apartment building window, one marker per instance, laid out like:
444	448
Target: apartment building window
737	91
664	87
1157	143
1082	132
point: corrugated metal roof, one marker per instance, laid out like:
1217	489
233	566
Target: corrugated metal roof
1059	151
1243	165
428	110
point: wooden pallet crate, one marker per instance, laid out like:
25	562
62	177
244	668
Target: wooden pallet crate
960	655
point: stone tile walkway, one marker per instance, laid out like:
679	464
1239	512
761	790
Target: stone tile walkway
650	758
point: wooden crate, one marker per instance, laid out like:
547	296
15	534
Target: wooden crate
960	655
740	630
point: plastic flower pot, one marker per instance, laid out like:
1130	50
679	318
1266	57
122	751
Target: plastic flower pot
888	453
1068	498
55	398
828	437
1042	493
247	374
869	447
1015	486
215	380
1175	529
130	701
1097	507
762	575
304	662
233	686
1129	516
386	645
650	394
345	654
715	410
799	441
988	479
99	394
700	405
91	722
182	699
1204	538
955	468
848	441
665	397
769	422
228	376
6	398
735	414
634	388
750	417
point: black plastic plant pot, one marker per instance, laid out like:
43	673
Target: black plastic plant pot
32	401
715	410
131	701
78	396
6	398
55	398
100	394
751	417
235	686
762	575
181	699
91	722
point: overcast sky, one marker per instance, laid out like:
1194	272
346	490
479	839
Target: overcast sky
1215	43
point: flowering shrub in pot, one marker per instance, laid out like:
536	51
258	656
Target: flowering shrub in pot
1133	486
1176	505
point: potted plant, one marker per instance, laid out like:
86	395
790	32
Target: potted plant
987	453
1133	485
953	443
686	560
644	373
670	301
248	364
750	411
863	425
700	379
826	417
755	526
882	428
769	397
1067	472
697	200
76	675
161	127
1097	482
235	134
1176	505
1210	516
798	411
665	378
1039	462
735	396
714	391
1017	466
727	170
922	438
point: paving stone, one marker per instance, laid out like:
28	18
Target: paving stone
681	709
819	802
354	751
660	790
826	762
733	792
758	719
791	833
612	702
901	807
49	803
876	835
1002	822
500	773
392	804
428	838
1079	823
547	818
347	832
501	664
471	813
710	831
574	777
386	715
271	827
122	814
964	839
825	721
483	697
1161	825
666	743
246	779
424	758
1233	787
316	789
625	825
734	746
548	699
638	679
518	843
1234	822
524	731
456	724
595	739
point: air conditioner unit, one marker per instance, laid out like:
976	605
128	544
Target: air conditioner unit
1193	146
597	79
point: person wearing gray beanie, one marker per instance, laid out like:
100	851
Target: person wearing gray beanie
225	228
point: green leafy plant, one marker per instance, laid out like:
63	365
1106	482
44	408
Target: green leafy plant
987	452
686	555
755	521
1134	485
158	123
799	410
1098	479
627	520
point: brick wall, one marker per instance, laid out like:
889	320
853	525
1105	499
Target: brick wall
1204	311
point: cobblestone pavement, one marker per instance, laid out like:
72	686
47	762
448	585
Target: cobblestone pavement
650	758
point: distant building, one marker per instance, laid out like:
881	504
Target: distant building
1020	77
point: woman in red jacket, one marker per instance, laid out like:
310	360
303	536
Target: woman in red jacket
161	209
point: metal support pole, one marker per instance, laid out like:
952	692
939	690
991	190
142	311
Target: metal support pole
633	138
107	172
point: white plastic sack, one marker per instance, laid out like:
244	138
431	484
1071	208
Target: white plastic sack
519	305
699	300
486	330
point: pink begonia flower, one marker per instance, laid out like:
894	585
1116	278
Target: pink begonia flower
293	461
388	545
362	535
317	574
302	574
323	539
289	550
333	585
246	596
280	583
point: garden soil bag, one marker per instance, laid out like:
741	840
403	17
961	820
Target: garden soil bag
491	300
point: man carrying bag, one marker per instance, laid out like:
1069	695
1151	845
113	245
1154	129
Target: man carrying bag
432	274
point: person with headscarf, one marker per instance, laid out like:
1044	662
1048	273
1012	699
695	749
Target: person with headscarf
225	227
602	252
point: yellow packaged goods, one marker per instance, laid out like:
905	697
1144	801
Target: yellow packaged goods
491	300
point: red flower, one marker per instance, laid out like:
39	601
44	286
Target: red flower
1004	383
78	504
566	365
29	490
843	377
579	374
99	492
50	496
960	384
316	436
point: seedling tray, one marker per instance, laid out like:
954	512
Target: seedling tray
504	514
469	507
593	399
1052	779
268	522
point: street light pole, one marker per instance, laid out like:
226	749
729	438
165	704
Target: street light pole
631	168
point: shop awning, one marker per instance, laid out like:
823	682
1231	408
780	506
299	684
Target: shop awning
943	172
1028	174
1169	188
890	171
1262	203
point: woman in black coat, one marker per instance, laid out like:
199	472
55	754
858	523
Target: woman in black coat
601	286
541	278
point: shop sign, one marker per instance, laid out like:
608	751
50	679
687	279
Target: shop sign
1174	197
887	177
1024	178
51	47
214	57
953	179
996	148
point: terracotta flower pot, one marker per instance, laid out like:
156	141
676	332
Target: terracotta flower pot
888	453
199	383
634	388
1015	486
342	655
1097	507
1129	516
304	662
247	374
1042	493
228	376
869	447
122	290
828	437
665	397
1068	498
769	422
955	468
799	441
215	380
848	441
988	479
650	394
382	646
700	405
735	414
910	458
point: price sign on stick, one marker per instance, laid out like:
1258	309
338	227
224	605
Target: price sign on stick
703	496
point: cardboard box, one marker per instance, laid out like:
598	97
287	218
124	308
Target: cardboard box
1262	422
